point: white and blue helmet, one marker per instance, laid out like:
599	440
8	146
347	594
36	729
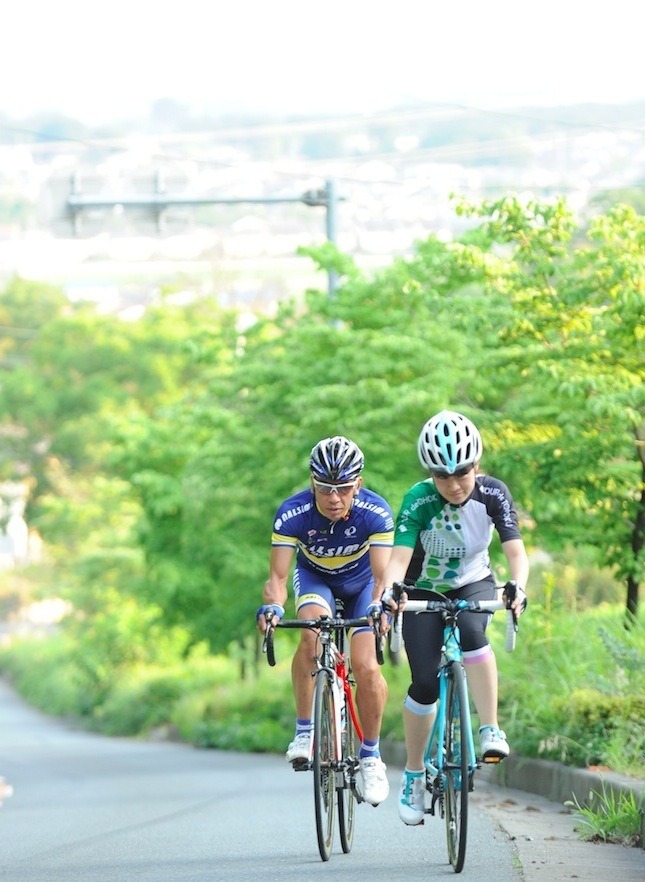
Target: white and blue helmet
449	441
336	459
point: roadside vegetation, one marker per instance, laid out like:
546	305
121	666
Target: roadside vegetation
572	691
152	455
607	817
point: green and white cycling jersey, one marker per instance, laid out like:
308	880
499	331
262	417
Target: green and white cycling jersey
451	542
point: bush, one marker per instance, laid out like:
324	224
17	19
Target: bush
598	723
43	671
589	724
143	704
256	716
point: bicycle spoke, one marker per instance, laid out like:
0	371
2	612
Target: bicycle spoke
324	757
346	797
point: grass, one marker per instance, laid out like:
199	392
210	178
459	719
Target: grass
608	817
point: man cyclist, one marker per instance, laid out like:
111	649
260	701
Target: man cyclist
341	535
443	532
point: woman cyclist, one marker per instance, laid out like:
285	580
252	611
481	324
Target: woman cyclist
341	534
442	535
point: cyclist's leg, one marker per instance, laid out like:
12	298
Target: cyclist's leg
371	693
371	686
312	598
479	661
423	636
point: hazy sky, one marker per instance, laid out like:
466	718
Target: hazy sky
100	60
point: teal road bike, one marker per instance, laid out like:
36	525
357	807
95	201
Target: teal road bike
450	758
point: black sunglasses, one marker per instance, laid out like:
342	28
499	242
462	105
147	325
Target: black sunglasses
458	473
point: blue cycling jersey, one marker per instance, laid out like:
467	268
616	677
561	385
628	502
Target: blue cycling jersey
337	549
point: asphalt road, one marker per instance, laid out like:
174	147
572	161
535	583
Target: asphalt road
86	808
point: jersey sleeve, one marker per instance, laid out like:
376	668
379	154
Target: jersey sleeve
384	537
381	525
286	523
280	539
409	522
502	510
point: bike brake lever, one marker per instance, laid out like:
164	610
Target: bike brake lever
268	616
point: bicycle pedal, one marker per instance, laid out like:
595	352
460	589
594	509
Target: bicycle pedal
492	759
300	765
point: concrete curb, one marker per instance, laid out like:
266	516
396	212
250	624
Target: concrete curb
560	783
554	781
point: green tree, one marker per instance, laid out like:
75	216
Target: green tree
191	430
354	364
572	419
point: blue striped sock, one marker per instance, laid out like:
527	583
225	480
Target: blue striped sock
369	748
303	727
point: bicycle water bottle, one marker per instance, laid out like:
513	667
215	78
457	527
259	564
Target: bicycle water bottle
339	700
339	696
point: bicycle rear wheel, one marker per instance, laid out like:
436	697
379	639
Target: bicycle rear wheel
324	757
346	797
456	766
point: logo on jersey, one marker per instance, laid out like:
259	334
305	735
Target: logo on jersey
337	551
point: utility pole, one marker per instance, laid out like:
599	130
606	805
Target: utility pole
328	198
78	202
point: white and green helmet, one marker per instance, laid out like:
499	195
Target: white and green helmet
449	441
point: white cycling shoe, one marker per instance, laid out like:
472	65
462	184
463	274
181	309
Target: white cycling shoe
375	784
300	748
412	803
493	744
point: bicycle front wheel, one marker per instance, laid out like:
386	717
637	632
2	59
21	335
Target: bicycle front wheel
456	766
324	760
346	795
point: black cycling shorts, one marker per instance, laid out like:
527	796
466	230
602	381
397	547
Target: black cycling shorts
423	635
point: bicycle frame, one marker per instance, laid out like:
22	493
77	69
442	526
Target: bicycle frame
451	654
337	663
344	675
333	755
450	759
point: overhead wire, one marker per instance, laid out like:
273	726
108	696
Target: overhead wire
476	148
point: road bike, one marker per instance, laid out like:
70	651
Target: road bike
336	728
450	757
